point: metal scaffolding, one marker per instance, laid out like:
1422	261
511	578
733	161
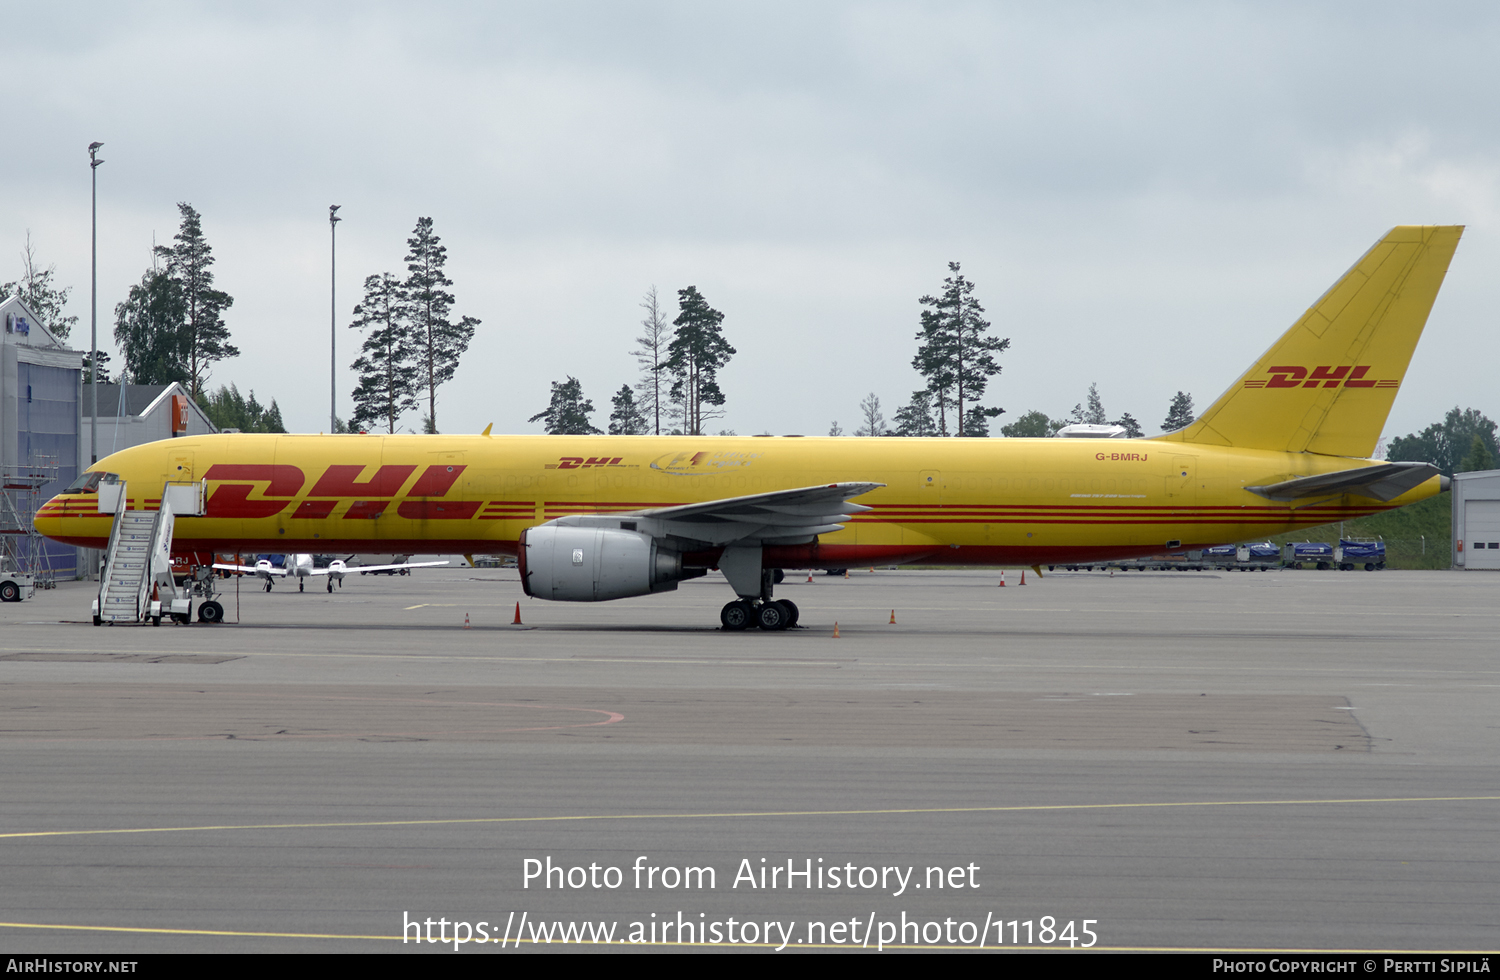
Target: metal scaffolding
21	547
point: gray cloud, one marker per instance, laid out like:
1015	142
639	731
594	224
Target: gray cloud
1146	195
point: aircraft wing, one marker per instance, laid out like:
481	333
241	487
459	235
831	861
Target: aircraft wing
1384	482
779	517
251	569
349	569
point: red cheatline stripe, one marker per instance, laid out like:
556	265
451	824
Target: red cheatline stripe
1161	521
1008	508
1110	514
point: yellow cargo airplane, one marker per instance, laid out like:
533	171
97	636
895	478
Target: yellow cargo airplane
605	517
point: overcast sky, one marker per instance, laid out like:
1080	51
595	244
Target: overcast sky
1146	195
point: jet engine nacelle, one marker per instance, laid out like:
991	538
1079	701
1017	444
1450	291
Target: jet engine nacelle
590	564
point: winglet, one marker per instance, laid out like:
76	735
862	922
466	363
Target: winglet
487	429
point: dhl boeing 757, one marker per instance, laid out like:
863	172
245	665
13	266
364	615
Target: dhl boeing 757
606	517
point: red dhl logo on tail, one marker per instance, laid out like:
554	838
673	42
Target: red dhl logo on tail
278	485
1326	376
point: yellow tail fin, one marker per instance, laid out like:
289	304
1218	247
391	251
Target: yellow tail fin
1327	385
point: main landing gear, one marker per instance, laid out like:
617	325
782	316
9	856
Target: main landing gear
743	614
752	611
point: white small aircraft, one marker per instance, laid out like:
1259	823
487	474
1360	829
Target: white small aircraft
302	567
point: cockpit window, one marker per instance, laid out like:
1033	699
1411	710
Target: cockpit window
89	482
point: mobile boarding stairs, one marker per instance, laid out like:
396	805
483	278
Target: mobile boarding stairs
136	582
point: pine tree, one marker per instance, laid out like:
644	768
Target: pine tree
568	415
977	421
205	338
1180	413
1131	426
956	357
694	358
874	419
47	301
149	332
228	409
916	418
652	357
1095	413
440	342
103	372
386	365
626	418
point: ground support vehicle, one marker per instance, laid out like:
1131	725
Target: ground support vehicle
1354	552
1299	554
15	585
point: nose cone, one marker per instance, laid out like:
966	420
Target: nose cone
48	521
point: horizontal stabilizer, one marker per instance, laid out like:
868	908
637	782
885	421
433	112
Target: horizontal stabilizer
1384	482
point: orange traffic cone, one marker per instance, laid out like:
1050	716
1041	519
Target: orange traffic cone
466	620
517	620
1023	576
893	618
809	576
1002	578
846	573
835	629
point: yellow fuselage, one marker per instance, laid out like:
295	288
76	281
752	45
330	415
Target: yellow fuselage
948	501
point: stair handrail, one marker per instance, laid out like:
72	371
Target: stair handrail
109	551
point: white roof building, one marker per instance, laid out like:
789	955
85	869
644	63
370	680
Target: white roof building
132	414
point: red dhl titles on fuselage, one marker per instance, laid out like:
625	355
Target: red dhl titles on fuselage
944	500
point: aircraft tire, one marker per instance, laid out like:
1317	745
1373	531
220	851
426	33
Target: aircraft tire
792	613
182	618
737	615
210	612
772	616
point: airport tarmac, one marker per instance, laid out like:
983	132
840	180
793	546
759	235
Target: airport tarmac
1275	760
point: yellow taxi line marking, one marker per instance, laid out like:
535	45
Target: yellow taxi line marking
743	814
161	931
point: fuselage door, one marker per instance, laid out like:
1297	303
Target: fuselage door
179	467
1182	481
